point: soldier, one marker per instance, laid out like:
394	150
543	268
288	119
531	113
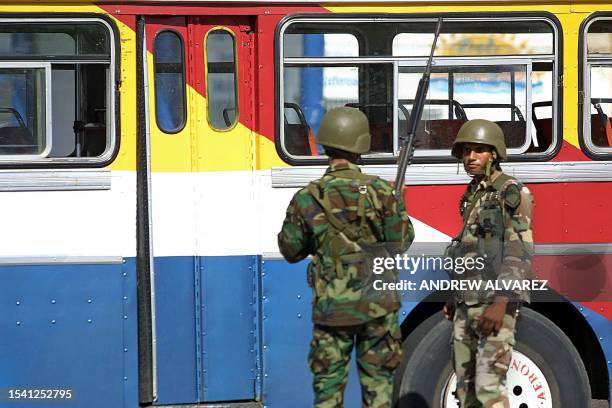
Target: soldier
340	219
496	211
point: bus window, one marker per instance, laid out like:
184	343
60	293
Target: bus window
478	38
315	89
495	67
23	112
56	108
597	85
494	70
458	94
170	111
221	79
320	45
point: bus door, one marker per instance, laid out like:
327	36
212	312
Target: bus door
202	346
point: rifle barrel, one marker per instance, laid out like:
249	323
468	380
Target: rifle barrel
407	149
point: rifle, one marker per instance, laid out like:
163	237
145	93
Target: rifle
407	150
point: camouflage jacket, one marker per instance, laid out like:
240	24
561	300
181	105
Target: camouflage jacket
340	279
496	227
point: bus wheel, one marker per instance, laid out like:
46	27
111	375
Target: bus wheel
546	370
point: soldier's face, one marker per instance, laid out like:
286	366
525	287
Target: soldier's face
475	157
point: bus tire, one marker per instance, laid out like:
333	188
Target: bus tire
423	376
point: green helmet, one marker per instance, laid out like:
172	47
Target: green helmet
480	131
346	129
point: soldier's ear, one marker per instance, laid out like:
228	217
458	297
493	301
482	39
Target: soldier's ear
494	154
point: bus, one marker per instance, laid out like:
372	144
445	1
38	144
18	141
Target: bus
166	139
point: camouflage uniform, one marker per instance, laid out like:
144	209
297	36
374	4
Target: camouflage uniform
497	224
346	311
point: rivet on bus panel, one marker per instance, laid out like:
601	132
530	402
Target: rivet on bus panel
53	301
88	320
18	303
53	321
19	324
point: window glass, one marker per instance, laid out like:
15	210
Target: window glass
53	40
478	38
169	82
601	105
22	111
221	79
599	37
321	45
597	115
496	93
312	90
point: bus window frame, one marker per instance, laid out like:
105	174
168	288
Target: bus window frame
584	89
387	158
183	122
112	90
236	83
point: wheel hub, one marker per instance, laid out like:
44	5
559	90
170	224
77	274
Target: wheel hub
527	386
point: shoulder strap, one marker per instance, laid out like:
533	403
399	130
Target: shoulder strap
317	190
323	200
501	182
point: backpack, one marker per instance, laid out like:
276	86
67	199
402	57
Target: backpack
348	250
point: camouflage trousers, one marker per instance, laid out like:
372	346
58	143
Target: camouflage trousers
481	363
379	352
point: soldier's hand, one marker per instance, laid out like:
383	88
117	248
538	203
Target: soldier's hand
449	311
493	317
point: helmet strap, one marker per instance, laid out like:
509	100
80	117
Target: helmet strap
489	167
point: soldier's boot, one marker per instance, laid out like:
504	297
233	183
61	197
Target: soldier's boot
379	352
493	359
329	357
